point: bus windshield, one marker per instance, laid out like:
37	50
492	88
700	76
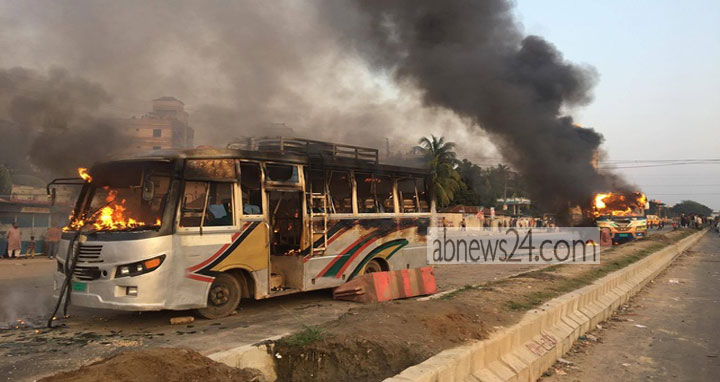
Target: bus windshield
123	196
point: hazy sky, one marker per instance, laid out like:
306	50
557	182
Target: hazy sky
658	96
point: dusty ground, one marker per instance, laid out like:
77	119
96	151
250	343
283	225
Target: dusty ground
158	364
373	342
672	324
32	351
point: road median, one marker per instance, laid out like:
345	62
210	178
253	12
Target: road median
522	352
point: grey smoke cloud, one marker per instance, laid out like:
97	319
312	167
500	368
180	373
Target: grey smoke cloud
348	71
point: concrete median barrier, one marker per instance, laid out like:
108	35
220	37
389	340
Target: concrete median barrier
525	350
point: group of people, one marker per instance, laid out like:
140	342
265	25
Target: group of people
14	242
691	221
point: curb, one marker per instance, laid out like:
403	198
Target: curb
525	350
254	356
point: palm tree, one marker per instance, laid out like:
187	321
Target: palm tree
442	160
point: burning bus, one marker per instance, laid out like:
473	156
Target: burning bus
622	213
203	228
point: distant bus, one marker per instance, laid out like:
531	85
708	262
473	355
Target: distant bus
204	228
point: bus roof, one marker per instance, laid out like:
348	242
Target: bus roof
317	156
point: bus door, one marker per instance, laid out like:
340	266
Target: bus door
285	199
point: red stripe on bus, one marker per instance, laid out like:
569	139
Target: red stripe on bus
200	278
335	260
210	259
354	255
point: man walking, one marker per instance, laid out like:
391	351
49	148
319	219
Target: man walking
14	241
52	239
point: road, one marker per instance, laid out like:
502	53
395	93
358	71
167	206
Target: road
669	331
89	334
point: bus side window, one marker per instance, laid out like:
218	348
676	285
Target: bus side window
220	207
251	190
316	185
365	197
384	193
423	195
406	193
192	204
340	192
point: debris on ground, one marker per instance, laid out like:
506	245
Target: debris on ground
157	364
181	320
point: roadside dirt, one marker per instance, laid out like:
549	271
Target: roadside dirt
157	364
373	342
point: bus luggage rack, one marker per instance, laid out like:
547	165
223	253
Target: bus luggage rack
310	147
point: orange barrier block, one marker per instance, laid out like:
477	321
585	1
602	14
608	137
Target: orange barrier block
386	286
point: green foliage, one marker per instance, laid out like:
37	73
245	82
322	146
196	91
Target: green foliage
5	181
691	207
442	161
308	335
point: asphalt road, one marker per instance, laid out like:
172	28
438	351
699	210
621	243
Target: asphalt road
669	331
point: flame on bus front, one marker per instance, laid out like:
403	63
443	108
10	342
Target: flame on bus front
113	211
619	204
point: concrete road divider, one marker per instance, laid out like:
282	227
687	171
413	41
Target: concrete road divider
525	350
257	356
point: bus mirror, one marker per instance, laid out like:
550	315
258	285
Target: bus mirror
148	192
53	196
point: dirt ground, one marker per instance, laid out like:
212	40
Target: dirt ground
346	341
157	364
373	342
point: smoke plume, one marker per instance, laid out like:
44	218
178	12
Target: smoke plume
471	57
348	71
52	122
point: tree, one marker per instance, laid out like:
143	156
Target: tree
688	207
442	161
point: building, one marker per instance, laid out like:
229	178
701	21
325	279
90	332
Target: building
166	127
29	207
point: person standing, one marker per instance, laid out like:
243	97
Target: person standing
52	239
14	241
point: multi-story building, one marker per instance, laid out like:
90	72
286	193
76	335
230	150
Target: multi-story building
164	128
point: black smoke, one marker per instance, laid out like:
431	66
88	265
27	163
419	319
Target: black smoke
50	122
472	58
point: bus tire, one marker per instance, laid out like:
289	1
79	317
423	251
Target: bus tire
223	297
375	265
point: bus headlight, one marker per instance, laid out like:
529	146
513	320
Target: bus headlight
140	267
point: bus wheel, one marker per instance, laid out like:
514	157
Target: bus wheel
223	298
374	266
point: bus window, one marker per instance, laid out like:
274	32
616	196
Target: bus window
219	211
219	206
251	190
340	192
193	202
423	195
365	197
384	193
282	173
407	195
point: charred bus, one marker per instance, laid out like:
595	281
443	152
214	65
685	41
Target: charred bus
204	228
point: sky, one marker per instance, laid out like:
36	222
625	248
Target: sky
657	97
658	94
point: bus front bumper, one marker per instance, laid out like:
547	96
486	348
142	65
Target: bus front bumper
131	293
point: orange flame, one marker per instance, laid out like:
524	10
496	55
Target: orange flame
84	174
112	217
618	204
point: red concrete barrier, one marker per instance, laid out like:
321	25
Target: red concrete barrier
386	286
